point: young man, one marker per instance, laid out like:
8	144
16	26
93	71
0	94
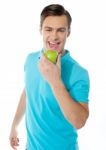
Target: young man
55	98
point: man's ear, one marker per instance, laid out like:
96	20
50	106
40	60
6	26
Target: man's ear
69	31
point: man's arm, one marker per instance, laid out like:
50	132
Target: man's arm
76	113
14	141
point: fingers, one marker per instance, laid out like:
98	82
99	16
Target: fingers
58	61
14	142
45	60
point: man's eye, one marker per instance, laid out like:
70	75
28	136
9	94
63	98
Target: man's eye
62	30
48	30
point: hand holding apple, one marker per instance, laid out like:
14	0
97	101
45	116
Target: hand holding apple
50	71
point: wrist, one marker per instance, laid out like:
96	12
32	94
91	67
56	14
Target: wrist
57	85
14	124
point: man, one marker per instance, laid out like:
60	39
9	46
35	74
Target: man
55	98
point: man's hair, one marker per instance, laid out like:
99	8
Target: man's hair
55	10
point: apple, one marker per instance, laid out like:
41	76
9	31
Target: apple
51	55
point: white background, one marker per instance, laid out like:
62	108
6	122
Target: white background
19	35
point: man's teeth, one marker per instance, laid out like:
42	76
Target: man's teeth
53	43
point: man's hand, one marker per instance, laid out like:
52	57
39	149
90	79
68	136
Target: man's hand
14	140
51	72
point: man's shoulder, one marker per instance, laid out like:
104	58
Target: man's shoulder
33	54
76	65
32	57
77	69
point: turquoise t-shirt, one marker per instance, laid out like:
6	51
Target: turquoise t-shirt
47	128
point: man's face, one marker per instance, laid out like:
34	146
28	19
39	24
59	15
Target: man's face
55	32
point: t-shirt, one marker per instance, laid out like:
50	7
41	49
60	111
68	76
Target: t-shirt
47	128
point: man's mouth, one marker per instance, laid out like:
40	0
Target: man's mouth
53	45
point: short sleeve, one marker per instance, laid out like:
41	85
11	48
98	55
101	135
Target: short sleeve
79	90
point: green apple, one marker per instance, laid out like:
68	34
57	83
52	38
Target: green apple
51	55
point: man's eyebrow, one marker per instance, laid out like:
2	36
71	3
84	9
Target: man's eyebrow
60	28
48	27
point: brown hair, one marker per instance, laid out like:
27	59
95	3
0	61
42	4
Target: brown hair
55	10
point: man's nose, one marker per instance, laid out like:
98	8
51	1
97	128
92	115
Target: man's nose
55	35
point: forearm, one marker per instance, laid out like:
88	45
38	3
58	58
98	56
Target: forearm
20	110
74	112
